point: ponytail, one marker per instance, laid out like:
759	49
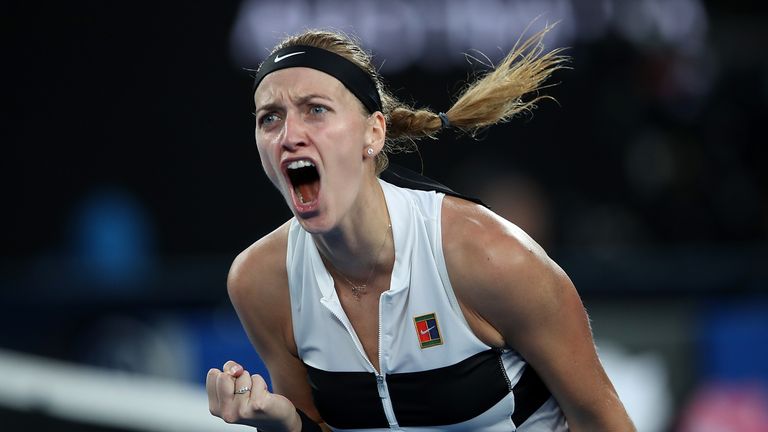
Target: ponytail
493	98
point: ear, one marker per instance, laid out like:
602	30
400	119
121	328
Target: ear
376	132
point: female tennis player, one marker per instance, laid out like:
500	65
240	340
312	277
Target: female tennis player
389	302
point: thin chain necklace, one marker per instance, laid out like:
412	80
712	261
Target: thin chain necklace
359	289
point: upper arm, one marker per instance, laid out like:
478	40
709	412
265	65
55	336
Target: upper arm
258	288
507	280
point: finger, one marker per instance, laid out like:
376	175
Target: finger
233	368
210	388
243	382
258	387
259	396
225	388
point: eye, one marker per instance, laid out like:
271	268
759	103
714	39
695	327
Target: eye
318	109
267	119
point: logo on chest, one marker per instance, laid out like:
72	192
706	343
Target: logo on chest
428	330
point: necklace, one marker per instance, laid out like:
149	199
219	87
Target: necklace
359	289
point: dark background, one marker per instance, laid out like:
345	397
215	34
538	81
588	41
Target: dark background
131	180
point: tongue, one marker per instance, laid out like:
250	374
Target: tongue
308	192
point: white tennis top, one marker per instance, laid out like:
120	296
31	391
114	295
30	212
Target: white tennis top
436	375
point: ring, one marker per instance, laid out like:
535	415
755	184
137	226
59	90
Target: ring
243	390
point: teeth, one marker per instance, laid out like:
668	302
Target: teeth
300	164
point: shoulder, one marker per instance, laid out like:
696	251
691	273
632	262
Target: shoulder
264	260
257	284
498	272
473	233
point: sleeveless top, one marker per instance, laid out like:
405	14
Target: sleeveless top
435	374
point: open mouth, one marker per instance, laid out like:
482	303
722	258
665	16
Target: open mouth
305	181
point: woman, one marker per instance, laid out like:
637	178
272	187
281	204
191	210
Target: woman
382	307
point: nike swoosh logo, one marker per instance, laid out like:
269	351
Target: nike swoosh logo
426	331
279	58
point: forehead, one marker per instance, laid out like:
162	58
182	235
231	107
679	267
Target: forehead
297	82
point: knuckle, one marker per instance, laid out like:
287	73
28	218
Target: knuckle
245	411
258	405
229	418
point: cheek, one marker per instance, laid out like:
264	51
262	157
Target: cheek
266	164
350	140
269	171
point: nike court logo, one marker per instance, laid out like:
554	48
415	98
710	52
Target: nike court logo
426	331
279	58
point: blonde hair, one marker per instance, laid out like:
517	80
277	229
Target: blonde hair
494	97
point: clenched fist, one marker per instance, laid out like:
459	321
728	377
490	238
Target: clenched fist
238	397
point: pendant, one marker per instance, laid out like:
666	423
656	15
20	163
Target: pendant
358	291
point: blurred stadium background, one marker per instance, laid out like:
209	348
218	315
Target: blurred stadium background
131	180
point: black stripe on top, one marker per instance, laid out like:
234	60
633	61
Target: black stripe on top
450	394
442	396
409	179
347	400
530	395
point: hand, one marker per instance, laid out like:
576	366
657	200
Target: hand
256	407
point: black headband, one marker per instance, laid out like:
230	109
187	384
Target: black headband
354	78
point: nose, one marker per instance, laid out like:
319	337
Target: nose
294	133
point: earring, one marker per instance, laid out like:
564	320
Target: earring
370	151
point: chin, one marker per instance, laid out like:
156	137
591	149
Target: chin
314	220
314	224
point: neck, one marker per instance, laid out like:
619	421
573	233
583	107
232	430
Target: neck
362	241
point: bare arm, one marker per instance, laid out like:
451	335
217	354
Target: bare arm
513	294
258	288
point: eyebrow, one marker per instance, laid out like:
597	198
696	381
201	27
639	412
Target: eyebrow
300	101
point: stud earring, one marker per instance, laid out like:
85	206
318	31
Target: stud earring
370	151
